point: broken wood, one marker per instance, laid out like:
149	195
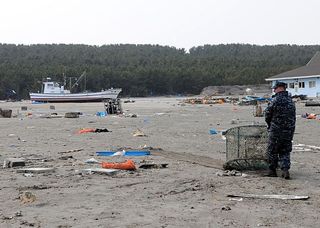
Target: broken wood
36	170
282	197
70	151
153	166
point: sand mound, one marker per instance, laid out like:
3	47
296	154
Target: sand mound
235	90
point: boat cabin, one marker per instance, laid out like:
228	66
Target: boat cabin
54	87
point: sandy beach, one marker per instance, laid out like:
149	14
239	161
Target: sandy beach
188	193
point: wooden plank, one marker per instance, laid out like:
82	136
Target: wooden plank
282	197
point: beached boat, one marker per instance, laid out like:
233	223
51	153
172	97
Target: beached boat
53	92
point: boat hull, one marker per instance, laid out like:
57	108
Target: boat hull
75	97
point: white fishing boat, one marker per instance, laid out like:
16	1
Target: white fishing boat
54	92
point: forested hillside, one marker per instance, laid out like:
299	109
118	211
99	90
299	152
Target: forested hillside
146	70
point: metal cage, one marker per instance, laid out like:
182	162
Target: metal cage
246	147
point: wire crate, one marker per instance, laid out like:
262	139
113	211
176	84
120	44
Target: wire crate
246	147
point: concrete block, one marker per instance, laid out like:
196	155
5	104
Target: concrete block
13	162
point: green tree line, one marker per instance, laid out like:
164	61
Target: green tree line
146	70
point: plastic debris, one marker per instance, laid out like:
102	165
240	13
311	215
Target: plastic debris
124	153
94	130
213	131
310	116
100	171
86	130
101	114
127	165
236	199
231	173
131	115
234	121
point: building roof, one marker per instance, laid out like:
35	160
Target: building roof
311	69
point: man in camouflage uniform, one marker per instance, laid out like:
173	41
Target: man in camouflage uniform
280	116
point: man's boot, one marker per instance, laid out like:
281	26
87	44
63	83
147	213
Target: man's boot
285	174
272	173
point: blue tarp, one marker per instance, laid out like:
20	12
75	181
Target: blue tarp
126	153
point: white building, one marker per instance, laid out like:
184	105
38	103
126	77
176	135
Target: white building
304	80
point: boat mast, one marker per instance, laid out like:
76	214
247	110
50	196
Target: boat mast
64	78
70	85
83	75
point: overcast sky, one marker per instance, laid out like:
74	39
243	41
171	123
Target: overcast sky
179	23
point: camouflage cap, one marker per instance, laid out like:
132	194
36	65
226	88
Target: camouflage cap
279	84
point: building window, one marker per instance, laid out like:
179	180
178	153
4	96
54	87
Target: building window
291	85
301	84
312	84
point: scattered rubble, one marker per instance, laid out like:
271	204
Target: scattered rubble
231	173
247	100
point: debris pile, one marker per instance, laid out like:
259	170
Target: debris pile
112	106
247	100
207	100
310	116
